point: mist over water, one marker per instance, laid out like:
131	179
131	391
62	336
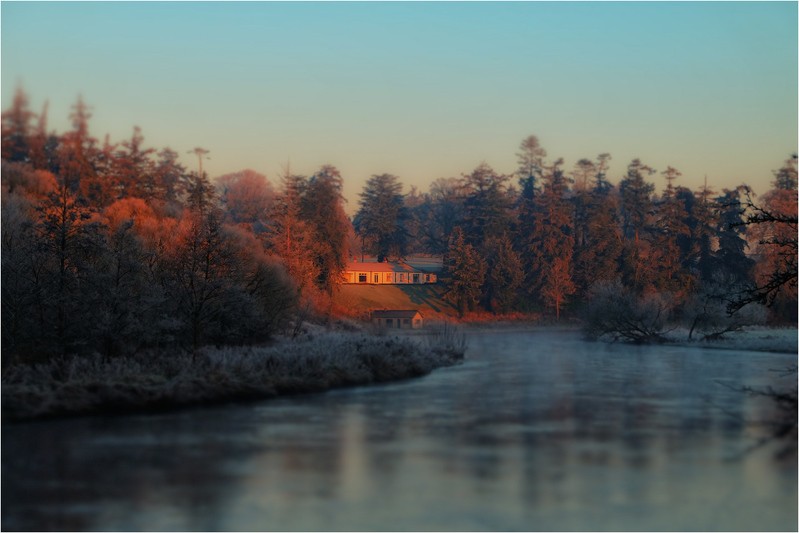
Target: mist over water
535	431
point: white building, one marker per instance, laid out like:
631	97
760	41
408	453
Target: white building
374	273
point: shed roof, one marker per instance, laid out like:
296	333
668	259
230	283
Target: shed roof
391	313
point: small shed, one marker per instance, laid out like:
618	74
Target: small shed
398	319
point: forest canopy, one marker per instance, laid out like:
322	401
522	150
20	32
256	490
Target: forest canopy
114	246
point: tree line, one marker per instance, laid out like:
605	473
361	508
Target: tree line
545	238
113	247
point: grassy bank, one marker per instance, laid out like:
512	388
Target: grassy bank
156	381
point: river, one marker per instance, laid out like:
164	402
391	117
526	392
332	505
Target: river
534	431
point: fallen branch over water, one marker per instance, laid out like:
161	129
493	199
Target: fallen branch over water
157	381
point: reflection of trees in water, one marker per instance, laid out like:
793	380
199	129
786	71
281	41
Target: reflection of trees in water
110	473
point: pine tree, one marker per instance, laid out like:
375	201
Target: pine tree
487	205
636	210
466	271
505	275
441	213
134	172
39	156
598	258
323	208
552	245
289	236
16	129
730	260
531	165
170	176
77	150
382	217
669	226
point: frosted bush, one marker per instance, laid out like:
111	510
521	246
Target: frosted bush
155	380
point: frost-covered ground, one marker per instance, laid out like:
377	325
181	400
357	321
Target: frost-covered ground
159	380
758	339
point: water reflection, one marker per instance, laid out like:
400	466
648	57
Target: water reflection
535	431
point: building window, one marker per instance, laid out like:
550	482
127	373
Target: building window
389	322
416	278
377	278
361	278
407	321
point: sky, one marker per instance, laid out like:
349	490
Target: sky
422	90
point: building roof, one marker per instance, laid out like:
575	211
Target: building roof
391	313
373	266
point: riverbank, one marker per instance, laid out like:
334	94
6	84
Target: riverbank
754	339
156	381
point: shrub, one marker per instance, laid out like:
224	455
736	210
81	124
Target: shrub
618	314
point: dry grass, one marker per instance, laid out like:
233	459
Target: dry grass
156	381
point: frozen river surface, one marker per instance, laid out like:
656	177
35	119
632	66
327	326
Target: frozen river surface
535	431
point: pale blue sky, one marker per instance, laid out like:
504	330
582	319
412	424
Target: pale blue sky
422	90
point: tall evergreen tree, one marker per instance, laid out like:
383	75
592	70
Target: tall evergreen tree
598	258
487	205
669	230
16	128
466	271
730	260
134	172
636	210
77	150
553	241
382	217
442	213
323	207
505	275
290	236
531	166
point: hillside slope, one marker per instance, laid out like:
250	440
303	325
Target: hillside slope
359	300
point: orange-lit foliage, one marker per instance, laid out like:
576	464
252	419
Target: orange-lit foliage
776	247
247	197
129	209
23	179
